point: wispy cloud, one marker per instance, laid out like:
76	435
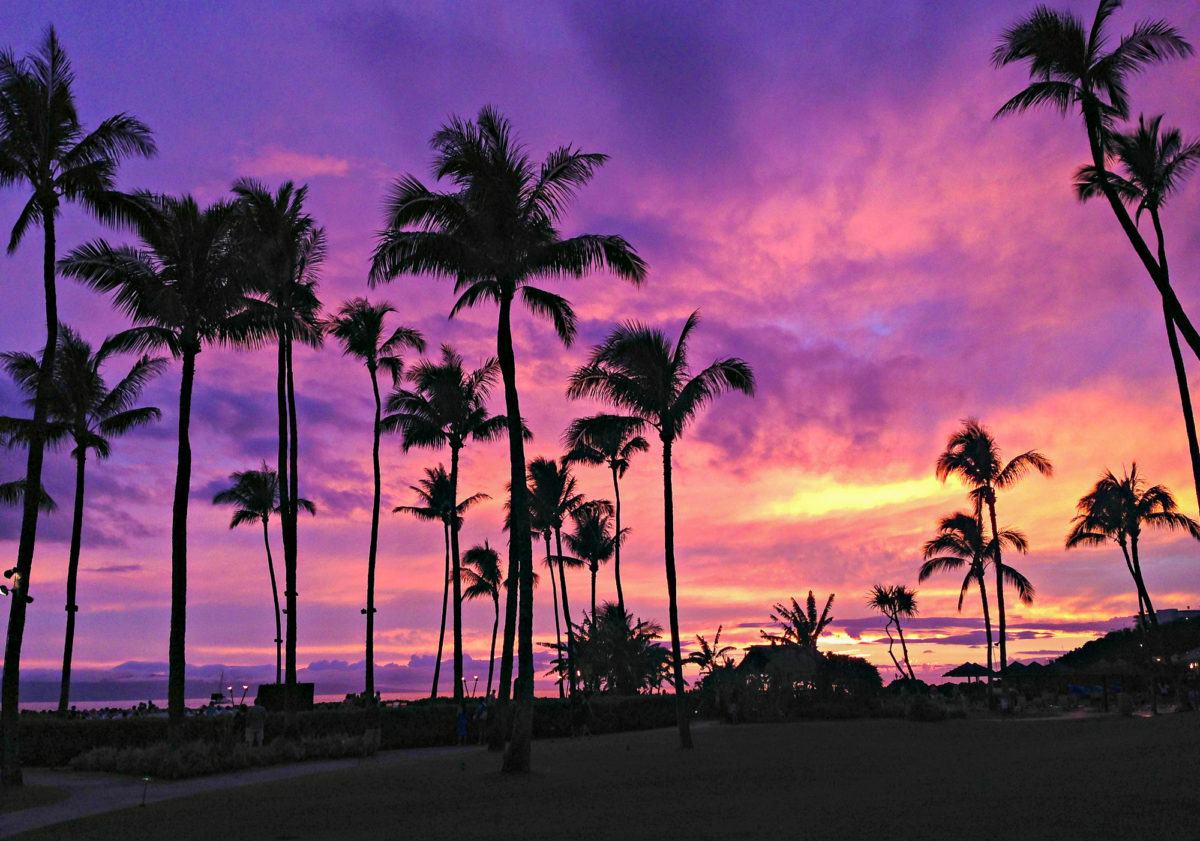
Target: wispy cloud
287	163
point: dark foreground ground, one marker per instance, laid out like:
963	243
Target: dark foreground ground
1109	778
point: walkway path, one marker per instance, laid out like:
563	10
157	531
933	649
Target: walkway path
93	794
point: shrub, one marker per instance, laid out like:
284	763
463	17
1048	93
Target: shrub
924	708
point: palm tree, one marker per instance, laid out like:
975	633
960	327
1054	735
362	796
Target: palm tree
542	526
711	655
255	497
282	250
1072	66
482	578
1154	164
84	409
593	540
972	455
1118	509
610	440
44	145
553	497
638	369
437	504
800	626
359	326
893	602
495	232
184	291
447	406
960	545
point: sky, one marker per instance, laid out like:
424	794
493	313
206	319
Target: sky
823	182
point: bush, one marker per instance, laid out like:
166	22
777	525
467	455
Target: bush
924	708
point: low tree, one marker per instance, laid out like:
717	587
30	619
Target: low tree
893	602
593	541
617	653
799	626
482	579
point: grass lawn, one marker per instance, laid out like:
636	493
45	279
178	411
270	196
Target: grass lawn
1111	778
28	797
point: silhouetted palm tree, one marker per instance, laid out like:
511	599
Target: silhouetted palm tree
893	602
437	504
1075	66
359	326
960	545
610	440
282	249
494	232
711	655
83	409
482	578
1118	509
593	540
1154	164
447	406
800	625
638	369
617	653
972	455
44	145
255	497
183	289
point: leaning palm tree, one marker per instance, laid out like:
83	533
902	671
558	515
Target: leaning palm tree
893	602
495	232
972	455
1117	510
638	369
85	410
254	494
610	440
593	540
1074	66
1154	162
437	505
482	578
359	326
182	288
44	146
447	406
282	250
961	546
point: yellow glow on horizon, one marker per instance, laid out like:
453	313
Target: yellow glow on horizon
819	496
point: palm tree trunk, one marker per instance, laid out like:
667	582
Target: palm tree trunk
437	665
177	663
904	649
1141	582
1133	575
498	728
572	683
456	579
517	759
275	596
557	628
492	654
64	690
293	495
987	623
369	610
617	546
887	629
682	714
285	507
594	570
999	564
10	766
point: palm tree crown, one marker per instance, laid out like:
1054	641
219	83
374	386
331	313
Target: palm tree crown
961	544
1154	162
605	439
254	495
360	328
800	625
447	404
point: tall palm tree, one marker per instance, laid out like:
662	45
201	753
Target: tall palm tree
1118	509
1074	66
961	545
254	494
494	232
638	369
800	625
611	440
85	410
1154	162
438	504
44	146
893	602
447	406
542	524
482	578
553	497
593	540
182	288
282	250
359	326
972	455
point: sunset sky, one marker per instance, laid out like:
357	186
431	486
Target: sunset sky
824	182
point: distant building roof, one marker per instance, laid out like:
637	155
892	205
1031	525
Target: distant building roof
967	670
